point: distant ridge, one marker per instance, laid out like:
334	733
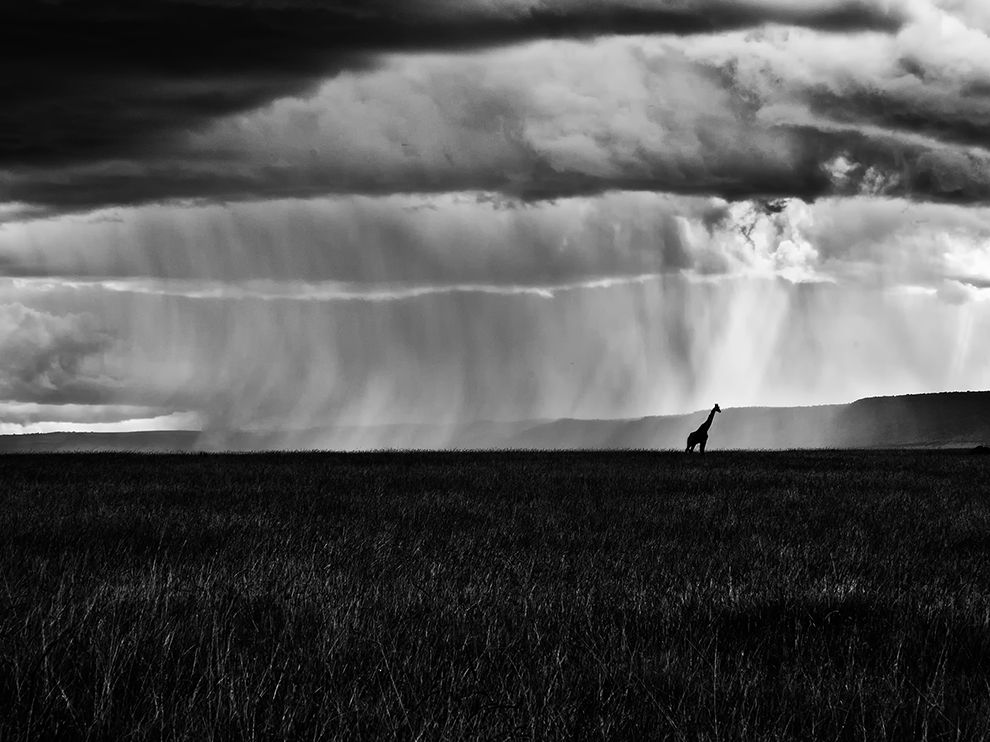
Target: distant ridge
942	420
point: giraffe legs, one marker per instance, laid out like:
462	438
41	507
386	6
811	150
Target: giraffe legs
696	440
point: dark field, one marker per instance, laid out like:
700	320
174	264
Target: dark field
801	595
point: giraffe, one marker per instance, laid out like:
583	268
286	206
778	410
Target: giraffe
700	436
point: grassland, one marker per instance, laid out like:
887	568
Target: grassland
800	595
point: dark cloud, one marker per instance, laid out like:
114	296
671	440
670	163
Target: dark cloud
875	164
473	124
861	163
53	192
118	103
106	78
947	113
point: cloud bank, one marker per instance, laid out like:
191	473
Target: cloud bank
49	358
898	108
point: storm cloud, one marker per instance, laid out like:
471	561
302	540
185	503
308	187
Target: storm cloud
104	78
289	214
777	111
99	98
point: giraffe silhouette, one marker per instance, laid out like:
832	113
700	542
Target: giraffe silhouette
700	436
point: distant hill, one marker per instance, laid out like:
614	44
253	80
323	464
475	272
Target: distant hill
946	420
950	419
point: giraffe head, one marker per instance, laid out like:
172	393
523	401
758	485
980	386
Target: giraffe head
717	408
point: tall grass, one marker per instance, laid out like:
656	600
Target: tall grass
815	595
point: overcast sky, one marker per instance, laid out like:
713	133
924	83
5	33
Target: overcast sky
275	214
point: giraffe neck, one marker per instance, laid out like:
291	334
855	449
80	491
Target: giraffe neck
708	422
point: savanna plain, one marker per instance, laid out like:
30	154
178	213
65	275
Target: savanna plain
495	595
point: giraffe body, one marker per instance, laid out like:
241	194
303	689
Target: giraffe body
699	437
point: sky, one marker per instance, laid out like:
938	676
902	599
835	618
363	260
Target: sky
263	215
